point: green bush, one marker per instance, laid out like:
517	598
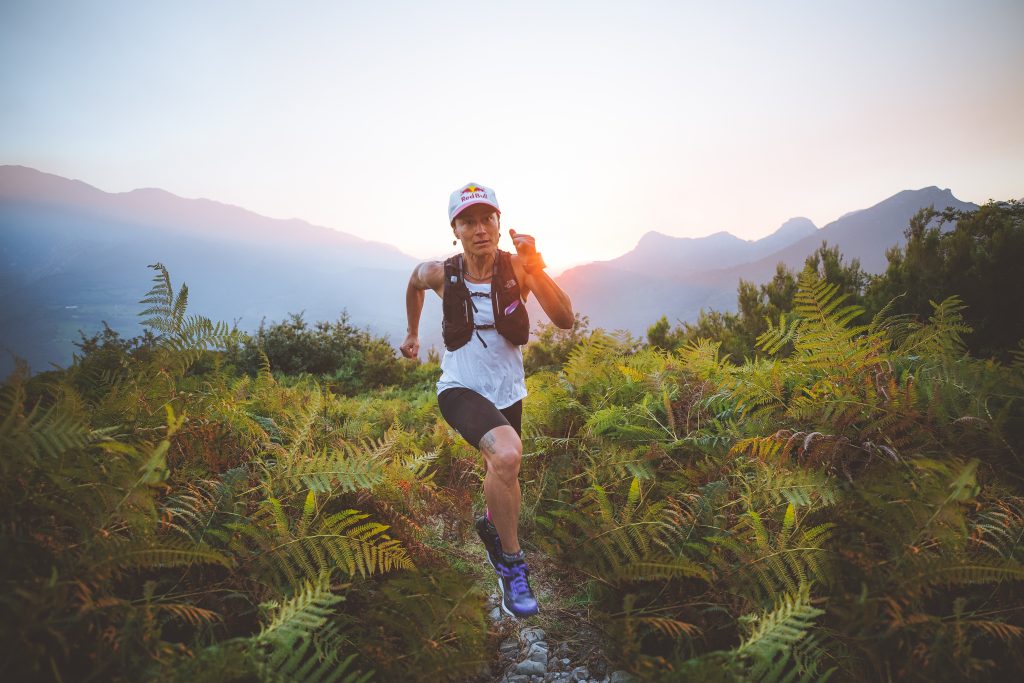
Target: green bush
345	358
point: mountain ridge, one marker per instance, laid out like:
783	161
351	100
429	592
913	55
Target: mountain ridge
608	291
75	256
665	255
160	208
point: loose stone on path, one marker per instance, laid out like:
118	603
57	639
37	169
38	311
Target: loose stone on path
529	662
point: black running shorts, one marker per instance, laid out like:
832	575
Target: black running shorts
472	415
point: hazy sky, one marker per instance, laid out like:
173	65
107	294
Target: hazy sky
594	121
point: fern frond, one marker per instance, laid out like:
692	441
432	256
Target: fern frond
161	300
762	564
298	643
195	336
701	358
303	614
769	484
42	432
125	555
939	571
341	541
777	336
942	336
776	632
1018	356
672	628
199	511
330	469
654	568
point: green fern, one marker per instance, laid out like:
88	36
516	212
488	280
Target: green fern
776	337
124	554
634	543
41	432
762	564
766	654
183	340
328	469
201	511
1018	356
299	643
167	311
942	336
779	629
318	544
767	484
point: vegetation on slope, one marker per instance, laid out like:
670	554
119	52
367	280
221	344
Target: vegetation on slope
845	504
971	255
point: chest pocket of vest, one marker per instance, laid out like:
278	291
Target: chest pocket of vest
510	317
457	323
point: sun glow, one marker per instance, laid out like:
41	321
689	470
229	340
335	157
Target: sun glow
594	123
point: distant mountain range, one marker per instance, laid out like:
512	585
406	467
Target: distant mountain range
73	256
677	277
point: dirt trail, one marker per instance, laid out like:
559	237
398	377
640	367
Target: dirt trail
561	643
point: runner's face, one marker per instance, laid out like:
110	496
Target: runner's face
477	228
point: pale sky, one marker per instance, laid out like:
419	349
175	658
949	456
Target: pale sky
594	121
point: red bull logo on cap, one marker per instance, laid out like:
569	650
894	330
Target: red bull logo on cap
473	192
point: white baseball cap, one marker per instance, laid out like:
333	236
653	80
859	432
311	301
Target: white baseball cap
468	195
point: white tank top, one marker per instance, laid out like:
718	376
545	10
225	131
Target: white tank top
495	372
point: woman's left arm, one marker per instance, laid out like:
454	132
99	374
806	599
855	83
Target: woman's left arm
530	271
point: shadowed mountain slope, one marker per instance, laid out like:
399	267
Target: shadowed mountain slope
658	254
677	277
73	256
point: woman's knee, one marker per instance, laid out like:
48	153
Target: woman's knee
503	452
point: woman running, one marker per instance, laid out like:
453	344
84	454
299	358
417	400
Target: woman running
483	384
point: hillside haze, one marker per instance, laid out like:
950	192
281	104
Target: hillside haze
74	256
658	254
678	276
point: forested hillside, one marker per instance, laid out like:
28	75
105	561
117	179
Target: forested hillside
838	496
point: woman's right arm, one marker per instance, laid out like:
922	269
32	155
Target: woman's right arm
428	275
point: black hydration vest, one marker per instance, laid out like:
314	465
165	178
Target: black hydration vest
510	316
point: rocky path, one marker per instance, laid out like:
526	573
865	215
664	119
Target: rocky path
526	657
558	645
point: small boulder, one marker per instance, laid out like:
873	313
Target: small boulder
529	636
529	667
538	652
580	673
509	648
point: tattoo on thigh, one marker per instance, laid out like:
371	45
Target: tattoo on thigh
487	443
